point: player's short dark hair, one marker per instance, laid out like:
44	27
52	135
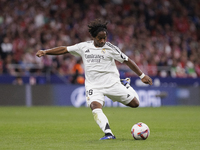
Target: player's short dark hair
96	26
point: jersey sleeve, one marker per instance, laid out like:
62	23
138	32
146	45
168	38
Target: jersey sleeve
74	50
117	54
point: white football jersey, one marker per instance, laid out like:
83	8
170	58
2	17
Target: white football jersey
99	63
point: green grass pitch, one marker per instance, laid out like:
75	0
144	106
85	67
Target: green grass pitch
69	128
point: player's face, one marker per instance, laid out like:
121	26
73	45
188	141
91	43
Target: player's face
100	39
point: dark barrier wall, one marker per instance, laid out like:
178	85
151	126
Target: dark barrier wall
12	95
188	95
42	95
74	95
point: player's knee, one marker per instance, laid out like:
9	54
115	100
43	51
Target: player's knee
95	105
137	103
134	103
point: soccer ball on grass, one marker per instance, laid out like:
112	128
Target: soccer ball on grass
140	131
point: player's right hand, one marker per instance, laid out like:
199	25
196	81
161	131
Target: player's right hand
40	53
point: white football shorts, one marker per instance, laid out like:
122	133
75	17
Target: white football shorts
116	92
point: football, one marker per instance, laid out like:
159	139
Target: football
140	131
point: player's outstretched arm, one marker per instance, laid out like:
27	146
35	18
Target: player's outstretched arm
53	51
133	66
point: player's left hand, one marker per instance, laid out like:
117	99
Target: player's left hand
147	80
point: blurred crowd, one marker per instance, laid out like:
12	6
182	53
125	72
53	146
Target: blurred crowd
161	36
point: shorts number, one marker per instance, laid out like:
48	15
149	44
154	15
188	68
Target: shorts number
90	92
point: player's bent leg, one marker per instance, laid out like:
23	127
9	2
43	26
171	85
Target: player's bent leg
134	103
101	120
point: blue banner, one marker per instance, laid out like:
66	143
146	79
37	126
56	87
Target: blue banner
74	95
